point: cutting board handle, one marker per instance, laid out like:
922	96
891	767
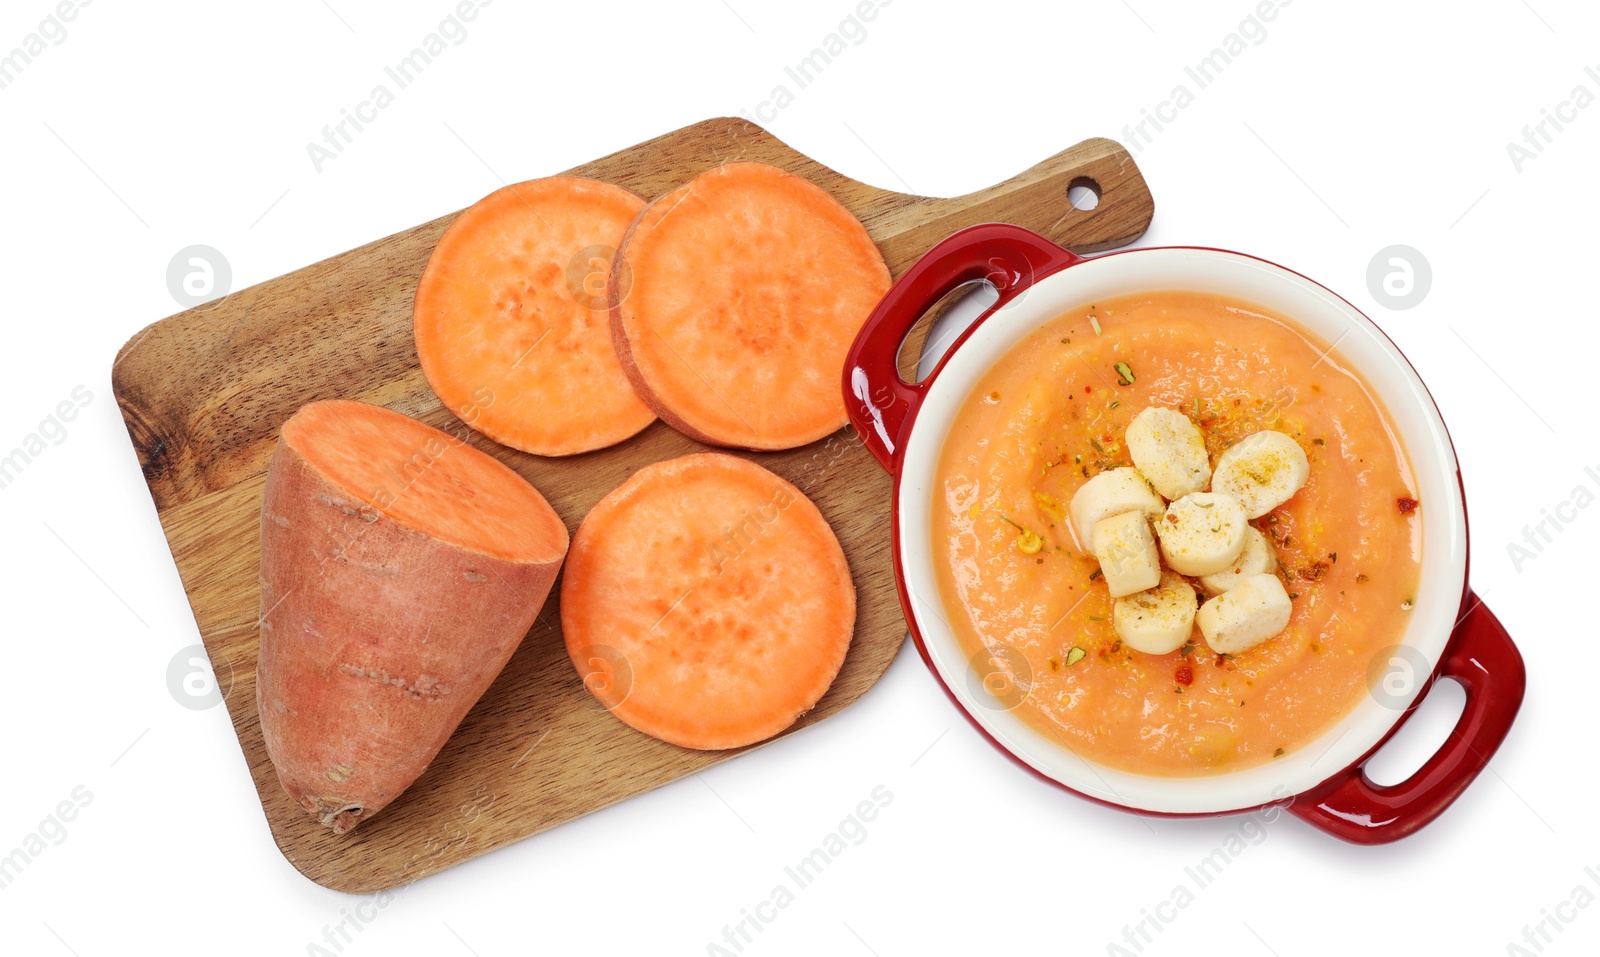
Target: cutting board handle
1037	199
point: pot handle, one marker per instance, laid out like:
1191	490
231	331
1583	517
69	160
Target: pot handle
1482	657
880	403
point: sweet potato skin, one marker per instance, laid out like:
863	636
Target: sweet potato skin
376	640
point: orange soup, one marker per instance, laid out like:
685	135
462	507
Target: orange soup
1021	592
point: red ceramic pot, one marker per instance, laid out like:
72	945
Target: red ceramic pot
1451	634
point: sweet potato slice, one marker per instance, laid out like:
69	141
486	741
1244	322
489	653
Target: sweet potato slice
749	284
707	602
511	317
400	568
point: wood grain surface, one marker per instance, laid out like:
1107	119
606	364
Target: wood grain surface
204	393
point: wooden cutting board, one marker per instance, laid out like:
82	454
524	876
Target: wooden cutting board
204	392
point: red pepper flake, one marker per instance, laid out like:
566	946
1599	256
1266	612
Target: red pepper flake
1184	675
1221	661
1407	504
1315	571
1088	388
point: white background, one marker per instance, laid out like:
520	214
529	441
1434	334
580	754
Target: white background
1352	126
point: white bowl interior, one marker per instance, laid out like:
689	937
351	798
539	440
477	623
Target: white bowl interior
1357	344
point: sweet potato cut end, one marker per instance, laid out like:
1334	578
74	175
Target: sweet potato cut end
426	480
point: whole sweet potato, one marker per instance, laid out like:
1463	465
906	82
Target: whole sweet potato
400	568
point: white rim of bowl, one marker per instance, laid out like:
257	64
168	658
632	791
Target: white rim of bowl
1358	344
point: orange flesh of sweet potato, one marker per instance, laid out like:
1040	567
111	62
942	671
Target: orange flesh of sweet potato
706	602
511	320
749	284
400	569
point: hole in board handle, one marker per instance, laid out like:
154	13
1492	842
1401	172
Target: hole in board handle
1083	193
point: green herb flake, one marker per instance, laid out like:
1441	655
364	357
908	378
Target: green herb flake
1074	655
1124	373
1094	324
1114	404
